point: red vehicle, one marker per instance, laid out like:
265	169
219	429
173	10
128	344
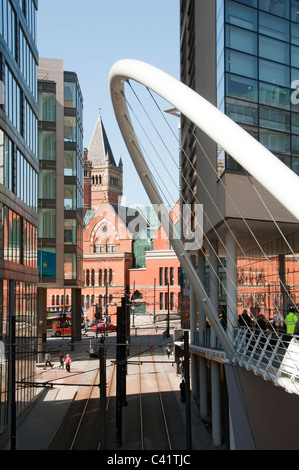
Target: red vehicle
59	325
102	326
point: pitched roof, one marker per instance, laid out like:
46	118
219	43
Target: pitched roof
99	147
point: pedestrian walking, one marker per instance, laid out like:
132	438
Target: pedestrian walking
167	350
61	359
48	360
68	362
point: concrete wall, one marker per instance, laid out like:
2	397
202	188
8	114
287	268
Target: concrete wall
272	414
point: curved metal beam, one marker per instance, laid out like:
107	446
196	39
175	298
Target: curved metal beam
265	167
257	160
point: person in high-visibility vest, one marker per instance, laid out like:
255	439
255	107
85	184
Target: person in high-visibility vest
291	320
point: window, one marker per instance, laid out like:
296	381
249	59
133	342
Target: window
274	118
46	259
70	163
70	95
47	106
241	39
12	235
166	278
30	127
161	276
295	123
240	64
161	301
274	73
47	184
295	56
171	301
274	26
13	103
47	223
242	16
281	8
275	141
24	174
171	276
70	129
295	33
70	192
6	161
274	50
242	112
241	87
274	95
70	231
47	145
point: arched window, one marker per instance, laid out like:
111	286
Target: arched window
87	278
105	277
110	277
100	277
92	277
53	299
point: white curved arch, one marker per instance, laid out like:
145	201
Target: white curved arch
257	160
274	175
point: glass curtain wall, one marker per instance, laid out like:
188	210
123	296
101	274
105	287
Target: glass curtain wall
73	179
18	188
257	66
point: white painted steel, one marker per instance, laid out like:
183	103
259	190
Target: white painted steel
274	175
119	73
256	159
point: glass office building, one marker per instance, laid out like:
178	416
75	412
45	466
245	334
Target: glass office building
257	70
60	199
18	201
243	57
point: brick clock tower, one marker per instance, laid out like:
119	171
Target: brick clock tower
103	178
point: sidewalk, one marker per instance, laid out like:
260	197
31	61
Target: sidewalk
38	428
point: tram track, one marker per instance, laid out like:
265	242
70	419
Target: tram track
152	410
84	415
149	422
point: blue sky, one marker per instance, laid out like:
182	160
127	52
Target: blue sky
90	36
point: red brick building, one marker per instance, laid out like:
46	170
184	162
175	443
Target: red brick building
124	250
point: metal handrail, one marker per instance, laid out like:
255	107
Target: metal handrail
268	353
273	355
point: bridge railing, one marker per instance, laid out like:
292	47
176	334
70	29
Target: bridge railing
272	355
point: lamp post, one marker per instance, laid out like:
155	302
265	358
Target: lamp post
133	306
154	300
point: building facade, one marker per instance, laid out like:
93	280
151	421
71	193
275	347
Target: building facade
61	188
126	251
18	201
242	56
